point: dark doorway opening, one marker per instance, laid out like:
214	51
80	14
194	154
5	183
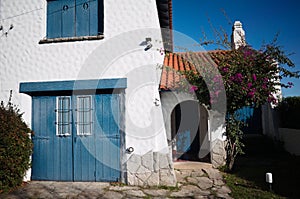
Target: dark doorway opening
190	132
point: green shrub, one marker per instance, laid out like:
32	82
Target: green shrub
15	147
289	110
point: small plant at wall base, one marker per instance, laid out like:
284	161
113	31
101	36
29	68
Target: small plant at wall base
250	77
15	147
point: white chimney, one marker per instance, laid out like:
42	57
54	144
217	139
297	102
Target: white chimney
238	36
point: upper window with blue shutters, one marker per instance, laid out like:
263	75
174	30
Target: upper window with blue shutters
74	18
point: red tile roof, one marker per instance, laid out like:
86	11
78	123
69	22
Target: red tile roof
175	62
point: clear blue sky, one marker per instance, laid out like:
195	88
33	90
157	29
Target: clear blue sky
261	19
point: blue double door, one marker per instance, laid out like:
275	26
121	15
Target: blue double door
78	155
252	118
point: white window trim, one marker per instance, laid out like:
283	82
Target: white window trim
57	113
77	115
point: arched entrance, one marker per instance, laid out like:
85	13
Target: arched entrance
189	129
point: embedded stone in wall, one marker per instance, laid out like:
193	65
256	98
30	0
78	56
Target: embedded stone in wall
151	169
134	163
147	161
218	153
163	161
167	177
153	179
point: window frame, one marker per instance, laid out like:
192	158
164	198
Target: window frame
52	36
78	116
59	118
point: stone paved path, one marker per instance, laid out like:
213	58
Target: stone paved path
195	180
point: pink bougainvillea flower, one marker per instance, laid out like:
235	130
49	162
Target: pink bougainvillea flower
272	99
251	93
217	93
225	69
290	84
254	77
247	53
238	77
217	79
231	78
193	88
162	51
249	85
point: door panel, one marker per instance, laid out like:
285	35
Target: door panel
51	158
83	145
107	137
84	160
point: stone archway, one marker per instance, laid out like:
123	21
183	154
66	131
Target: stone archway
189	132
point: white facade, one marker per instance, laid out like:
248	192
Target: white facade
120	54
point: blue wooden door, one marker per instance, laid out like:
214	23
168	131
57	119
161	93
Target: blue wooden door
107	137
252	117
52	155
97	154
84	138
90	153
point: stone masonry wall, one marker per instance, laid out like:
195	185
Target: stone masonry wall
218	153
151	169
217	138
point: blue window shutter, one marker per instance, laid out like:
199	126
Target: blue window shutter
94	18
100	18
54	18
68	18
83	8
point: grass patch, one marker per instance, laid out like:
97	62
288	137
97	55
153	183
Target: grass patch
119	184
175	188
247	180
244	189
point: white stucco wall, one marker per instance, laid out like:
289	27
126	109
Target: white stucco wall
119	54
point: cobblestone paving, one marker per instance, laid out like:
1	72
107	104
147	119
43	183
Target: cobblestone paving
194	181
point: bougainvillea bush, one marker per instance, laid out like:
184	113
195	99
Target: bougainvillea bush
248	77
15	147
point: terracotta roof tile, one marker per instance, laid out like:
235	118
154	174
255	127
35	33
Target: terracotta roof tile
176	62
